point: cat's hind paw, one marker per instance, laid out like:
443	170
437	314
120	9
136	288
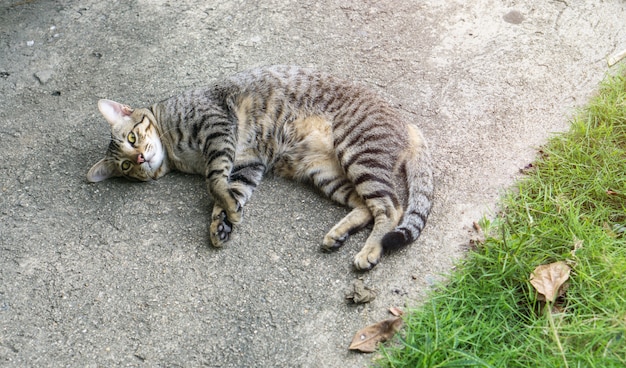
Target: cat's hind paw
331	243
367	258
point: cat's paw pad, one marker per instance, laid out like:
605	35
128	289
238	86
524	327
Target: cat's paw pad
366	259
331	243
220	229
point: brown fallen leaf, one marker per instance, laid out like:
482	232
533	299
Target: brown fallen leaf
361	293
618	229
548	279
578	244
396	311
367	339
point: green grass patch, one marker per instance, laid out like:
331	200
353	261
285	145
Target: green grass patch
571	206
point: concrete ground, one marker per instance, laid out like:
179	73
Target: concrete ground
122	274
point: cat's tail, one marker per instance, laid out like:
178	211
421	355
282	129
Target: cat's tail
417	172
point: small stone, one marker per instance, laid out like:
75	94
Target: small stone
513	17
30	43
43	76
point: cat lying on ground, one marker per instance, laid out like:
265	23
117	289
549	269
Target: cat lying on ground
297	123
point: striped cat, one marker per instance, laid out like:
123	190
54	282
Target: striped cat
297	123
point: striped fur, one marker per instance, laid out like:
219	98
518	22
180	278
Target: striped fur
296	123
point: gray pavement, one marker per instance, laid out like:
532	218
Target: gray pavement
122	274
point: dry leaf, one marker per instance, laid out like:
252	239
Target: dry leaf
367	339
615	58
396	311
476	236
619	229
578	244
361	293
548	279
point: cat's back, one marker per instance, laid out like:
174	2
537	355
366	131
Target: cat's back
285	78
299	88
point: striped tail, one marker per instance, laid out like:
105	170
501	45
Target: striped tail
419	181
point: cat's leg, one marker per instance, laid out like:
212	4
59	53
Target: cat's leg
372	197
358	218
386	216
226	210
328	176
245	176
218	148
377	191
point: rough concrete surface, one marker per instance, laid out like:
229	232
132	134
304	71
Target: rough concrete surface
122	274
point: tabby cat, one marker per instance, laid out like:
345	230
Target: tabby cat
296	123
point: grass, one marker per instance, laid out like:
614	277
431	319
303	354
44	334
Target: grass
570	206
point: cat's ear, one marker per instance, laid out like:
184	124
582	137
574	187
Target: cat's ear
102	170
114	112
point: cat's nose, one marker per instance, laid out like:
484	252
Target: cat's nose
140	158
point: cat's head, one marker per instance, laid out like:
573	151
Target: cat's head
135	150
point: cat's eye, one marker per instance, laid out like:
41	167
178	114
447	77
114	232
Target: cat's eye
125	165
132	138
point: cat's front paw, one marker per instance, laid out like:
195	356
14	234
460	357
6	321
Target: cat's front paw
220	229
367	258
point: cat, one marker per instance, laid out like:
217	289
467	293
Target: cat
297	123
